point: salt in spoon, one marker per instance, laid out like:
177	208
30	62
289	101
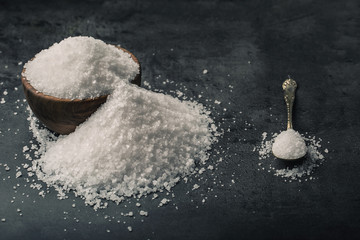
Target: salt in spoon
289	145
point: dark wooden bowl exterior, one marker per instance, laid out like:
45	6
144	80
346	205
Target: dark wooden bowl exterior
64	115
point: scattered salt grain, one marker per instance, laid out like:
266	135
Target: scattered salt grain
129	228
289	145
5	92
3	220
202	170
196	186
36	186
129	214
80	67
163	202
25	149
143	213
18	174
205	71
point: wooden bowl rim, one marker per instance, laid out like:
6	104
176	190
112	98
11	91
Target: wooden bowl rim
29	87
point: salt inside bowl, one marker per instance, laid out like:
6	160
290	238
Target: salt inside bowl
66	83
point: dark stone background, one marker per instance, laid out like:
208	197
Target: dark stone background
251	45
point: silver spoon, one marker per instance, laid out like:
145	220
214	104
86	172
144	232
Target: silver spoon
289	86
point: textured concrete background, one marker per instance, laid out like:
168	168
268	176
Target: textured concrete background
250	45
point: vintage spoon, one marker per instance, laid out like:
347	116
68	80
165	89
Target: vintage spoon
289	140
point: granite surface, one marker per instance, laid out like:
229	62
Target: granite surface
248	48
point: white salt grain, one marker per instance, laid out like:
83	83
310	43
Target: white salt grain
143	213
80	67
25	149
202	170
289	145
196	186
163	202
18	174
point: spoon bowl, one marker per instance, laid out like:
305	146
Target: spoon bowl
64	115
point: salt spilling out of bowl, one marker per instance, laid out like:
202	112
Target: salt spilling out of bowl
289	145
136	143
79	68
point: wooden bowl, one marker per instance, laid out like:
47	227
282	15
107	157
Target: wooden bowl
64	115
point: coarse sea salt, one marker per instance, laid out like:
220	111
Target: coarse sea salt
299	171
79	68
138	142
289	145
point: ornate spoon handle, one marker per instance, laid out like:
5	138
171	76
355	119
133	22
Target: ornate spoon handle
289	87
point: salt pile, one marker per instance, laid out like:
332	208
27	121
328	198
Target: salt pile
137	143
299	171
80	67
289	145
